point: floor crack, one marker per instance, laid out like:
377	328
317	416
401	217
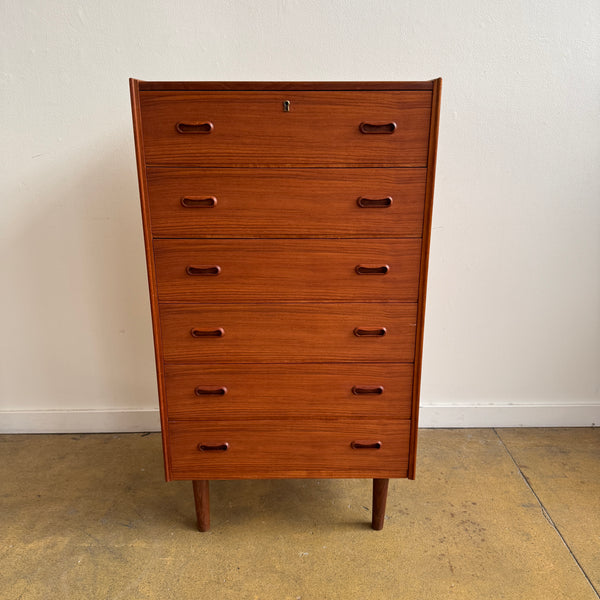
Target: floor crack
547	514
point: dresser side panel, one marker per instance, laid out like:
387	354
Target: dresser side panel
134	86
427	215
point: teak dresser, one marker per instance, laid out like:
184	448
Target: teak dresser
287	234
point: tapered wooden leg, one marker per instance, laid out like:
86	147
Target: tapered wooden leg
380	490
201	498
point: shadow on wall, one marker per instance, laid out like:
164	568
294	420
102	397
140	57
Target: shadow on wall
78	326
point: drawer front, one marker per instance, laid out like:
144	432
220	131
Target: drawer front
216	393
206	203
252	270
288	448
294	332
251	128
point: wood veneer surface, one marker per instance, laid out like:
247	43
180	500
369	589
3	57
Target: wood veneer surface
289	448
248	196
286	202
251	129
259	391
290	332
279	270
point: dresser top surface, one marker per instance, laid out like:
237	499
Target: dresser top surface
241	86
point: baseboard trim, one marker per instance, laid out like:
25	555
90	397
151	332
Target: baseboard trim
79	421
585	414
433	415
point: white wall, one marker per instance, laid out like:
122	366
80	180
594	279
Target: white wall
513	319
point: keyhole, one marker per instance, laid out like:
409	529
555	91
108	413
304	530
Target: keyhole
286	106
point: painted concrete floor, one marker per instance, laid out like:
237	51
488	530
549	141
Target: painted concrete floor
493	514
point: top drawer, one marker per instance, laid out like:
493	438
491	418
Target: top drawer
252	128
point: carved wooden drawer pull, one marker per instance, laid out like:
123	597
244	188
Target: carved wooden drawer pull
375	202
370	332
210	391
205	127
212	270
358	445
362	270
197	333
359	391
377	127
213	448
195	202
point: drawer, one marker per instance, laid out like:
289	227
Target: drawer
206	203
253	270
213	392
288	448
251	128
292	332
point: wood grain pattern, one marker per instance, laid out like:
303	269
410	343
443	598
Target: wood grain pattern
286	202
258	391
147	231
197	86
280	270
290	448
251	129
427	216
380	491
275	355
291	332
202	501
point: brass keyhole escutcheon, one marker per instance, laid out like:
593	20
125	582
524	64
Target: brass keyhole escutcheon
286	106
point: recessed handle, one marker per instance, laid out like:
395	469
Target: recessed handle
212	270
194	127
359	391
198	202
197	333
377	127
362	270
213	447
370	331
374	202
210	391
360	445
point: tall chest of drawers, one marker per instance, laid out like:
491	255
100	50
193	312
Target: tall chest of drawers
287	230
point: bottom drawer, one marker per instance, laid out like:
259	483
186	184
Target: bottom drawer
288	449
